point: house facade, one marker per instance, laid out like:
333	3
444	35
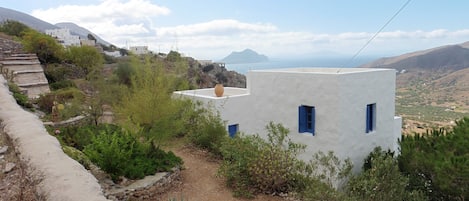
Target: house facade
64	37
139	50
346	110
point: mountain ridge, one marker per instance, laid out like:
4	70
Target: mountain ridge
28	20
449	57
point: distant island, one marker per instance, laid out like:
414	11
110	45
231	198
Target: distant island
245	56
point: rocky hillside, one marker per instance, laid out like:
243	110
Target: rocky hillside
432	85
208	75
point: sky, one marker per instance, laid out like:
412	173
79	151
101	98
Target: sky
212	29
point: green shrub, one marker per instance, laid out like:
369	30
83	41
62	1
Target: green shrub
251	164
62	96
437	162
20	98
207	130
77	155
237	154
62	84
120	154
81	136
322	176
381	180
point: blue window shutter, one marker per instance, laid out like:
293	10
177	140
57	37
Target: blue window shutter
302	119
368	118
313	121
232	130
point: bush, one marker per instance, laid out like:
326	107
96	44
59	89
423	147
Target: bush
62	84
437	162
319	178
381	180
207	130
45	102
81	136
254	165
77	155
20	98
120	154
251	164
237	154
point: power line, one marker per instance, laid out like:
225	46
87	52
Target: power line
379	31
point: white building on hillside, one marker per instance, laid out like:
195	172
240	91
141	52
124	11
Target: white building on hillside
346	110
64	37
139	50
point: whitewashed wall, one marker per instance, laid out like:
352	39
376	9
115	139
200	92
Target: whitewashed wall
339	96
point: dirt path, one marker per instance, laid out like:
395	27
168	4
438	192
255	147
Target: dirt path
199	181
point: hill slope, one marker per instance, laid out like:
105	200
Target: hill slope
37	24
451	57
432	85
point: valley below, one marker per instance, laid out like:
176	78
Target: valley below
427	100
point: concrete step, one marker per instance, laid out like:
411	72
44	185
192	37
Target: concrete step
23	55
29	78
33	84
20	62
22	67
27	71
34	91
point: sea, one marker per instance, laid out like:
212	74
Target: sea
336	62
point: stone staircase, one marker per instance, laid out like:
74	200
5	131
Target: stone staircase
26	71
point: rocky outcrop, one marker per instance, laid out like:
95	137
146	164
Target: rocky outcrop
208	74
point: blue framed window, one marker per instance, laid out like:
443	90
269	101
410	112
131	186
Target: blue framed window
370	117
306	119
233	129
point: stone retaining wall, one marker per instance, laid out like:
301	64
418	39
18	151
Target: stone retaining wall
59	177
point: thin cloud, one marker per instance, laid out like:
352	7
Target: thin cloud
108	18
215	27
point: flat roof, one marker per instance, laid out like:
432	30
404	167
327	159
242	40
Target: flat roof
319	70
210	92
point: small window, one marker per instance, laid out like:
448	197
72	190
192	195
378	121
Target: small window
306	119
370	117
233	129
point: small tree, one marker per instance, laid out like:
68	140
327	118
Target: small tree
13	28
437	162
87	58
45	47
148	104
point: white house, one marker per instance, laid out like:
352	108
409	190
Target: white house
139	50
64	37
346	110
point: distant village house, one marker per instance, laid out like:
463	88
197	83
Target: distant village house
139	50
64	37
